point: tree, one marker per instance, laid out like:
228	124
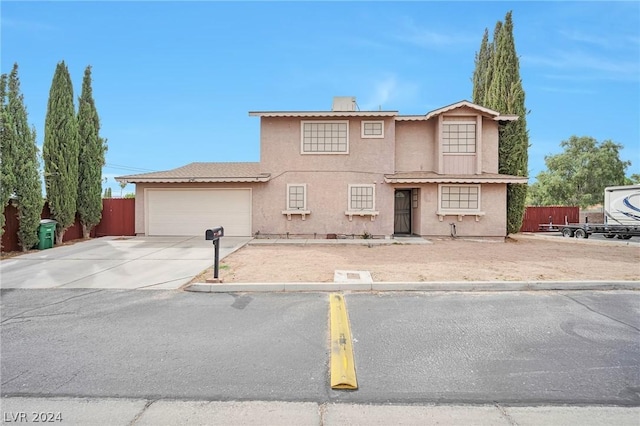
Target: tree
7	180
578	176
107	193
481	71
61	151
497	85
90	160
26	185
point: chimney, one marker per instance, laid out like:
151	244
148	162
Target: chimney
344	103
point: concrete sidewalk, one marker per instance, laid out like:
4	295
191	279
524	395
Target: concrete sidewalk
139	412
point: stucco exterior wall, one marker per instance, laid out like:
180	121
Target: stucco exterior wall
280	148
415	146
492	204
489	146
327	200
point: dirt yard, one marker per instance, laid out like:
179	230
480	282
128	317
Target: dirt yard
445	260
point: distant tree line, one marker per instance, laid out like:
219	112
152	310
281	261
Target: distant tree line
73	156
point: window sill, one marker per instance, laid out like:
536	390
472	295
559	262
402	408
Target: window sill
302	213
441	214
352	213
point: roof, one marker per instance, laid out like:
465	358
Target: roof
432	177
495	115
323	113
202	172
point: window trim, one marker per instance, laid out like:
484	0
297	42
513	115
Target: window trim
362	134
460	212
361	212
303	212
450	122
302	124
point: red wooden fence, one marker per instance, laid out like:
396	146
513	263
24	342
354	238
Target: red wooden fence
118	218
535	216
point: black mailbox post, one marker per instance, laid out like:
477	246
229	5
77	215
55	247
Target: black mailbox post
214	235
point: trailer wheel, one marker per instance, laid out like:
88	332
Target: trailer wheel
581	233
609	235
567	232
626	237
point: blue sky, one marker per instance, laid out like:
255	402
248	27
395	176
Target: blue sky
174	81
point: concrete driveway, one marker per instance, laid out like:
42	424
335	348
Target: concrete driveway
116	263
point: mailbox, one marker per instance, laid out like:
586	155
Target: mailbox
214	233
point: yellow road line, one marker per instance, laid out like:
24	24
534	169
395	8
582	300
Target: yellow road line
343	369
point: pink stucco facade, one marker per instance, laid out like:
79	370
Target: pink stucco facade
415	179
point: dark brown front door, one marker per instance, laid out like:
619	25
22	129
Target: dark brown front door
402	220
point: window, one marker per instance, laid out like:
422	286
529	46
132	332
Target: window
296	197
459	137
459	197
372	129
361	197
326	137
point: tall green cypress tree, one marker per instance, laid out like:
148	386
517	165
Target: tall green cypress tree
480	73
90	160
7	180
28	189
504	93
60	150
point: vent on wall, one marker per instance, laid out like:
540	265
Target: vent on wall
344	103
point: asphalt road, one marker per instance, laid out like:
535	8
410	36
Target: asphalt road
539	348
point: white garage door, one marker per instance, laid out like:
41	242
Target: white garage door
192	211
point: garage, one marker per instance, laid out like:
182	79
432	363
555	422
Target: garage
190	212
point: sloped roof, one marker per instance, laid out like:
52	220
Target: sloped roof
495	115
311	114
203	172
432	177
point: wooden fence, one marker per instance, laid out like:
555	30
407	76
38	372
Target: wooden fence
535	216
118	218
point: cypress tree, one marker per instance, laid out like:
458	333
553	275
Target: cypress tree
504	93
27	187
480	73
7	183
90	160
60	150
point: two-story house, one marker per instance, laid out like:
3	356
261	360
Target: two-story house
342	172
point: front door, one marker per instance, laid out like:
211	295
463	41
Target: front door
402	219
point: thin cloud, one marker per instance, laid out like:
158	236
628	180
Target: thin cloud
430	38
581	65
24	25
388	91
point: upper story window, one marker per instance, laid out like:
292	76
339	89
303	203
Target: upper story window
325	137
361	197
459	137
372	129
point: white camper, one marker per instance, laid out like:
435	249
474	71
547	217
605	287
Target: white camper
622	205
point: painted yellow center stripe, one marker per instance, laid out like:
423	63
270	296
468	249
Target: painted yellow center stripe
343	369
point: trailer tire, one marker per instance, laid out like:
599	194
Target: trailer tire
609	235
581	233
626	237
567	232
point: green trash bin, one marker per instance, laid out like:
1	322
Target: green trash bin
46	233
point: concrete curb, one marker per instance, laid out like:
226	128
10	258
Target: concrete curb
470	286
